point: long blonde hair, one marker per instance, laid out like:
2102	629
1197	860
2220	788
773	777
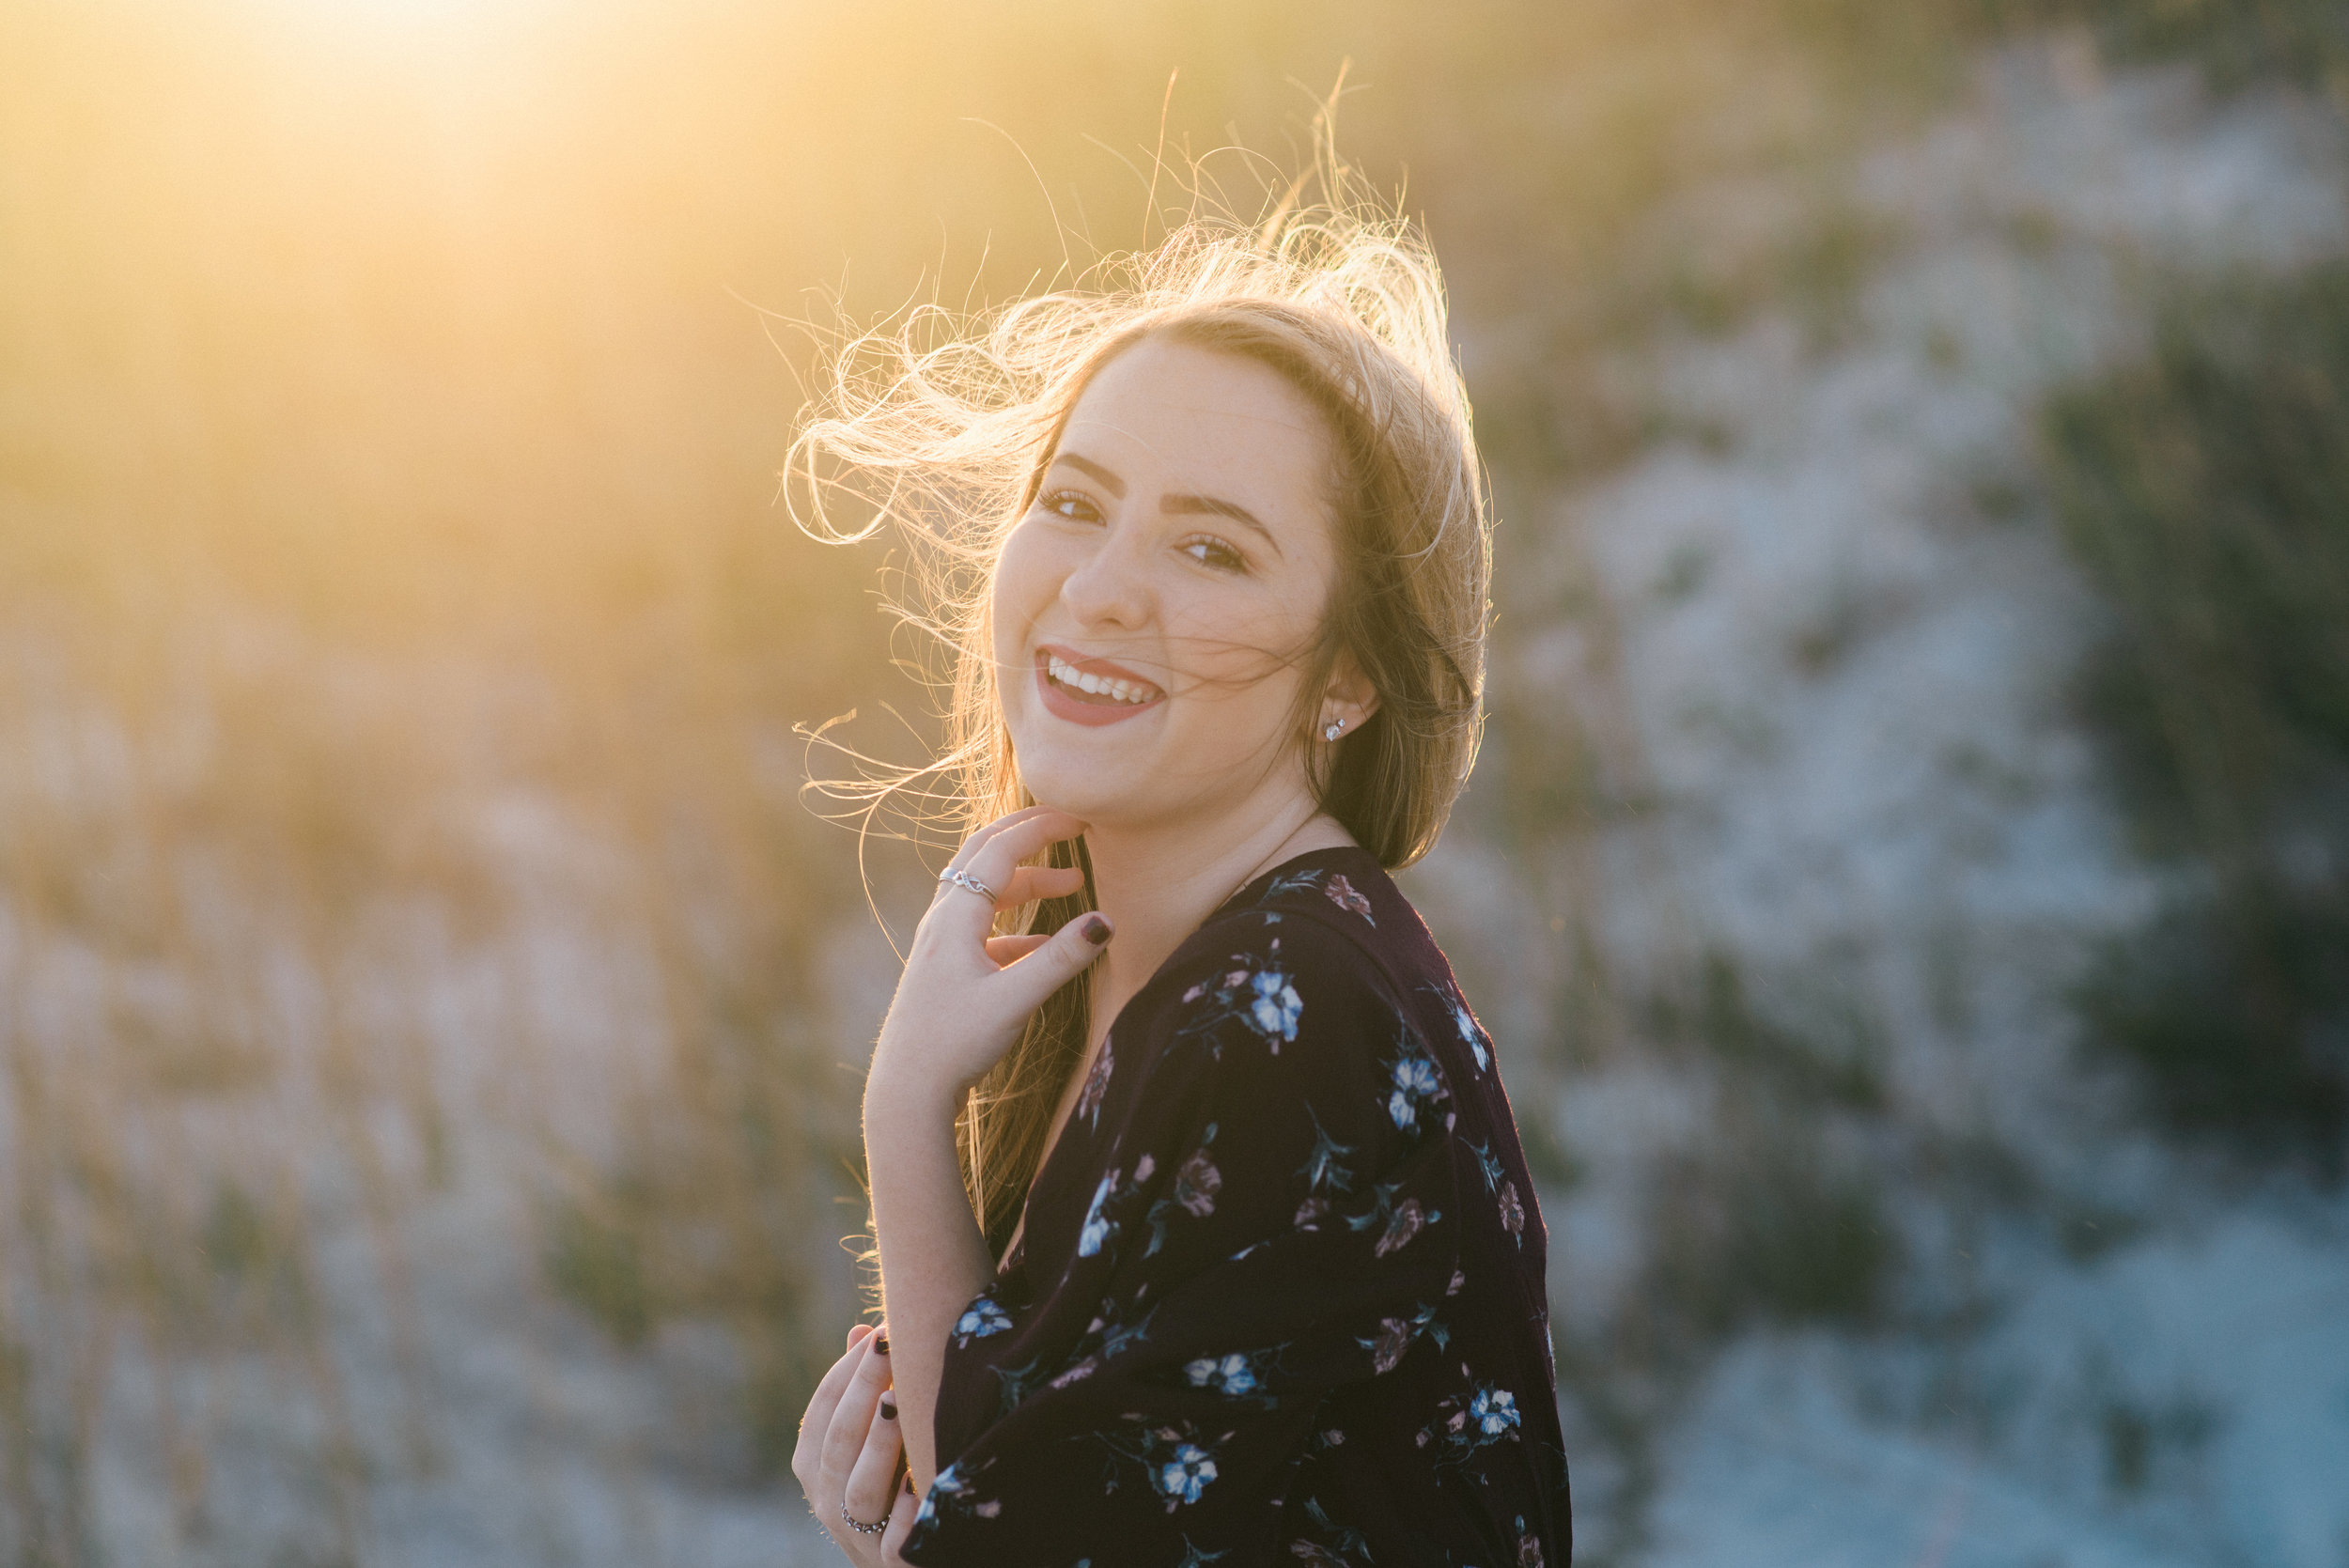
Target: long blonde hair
941	425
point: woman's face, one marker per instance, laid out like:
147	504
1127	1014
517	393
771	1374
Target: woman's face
1152	606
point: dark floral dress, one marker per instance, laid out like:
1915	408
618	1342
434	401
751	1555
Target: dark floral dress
1278	1296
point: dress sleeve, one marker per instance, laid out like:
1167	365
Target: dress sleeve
1273	1219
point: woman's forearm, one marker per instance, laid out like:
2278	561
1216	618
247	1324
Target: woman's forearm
933	1258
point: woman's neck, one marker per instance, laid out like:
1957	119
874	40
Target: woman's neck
1158	885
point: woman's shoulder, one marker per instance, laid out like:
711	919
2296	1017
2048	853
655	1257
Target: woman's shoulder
1309	905
1332	924
1318	949
1283	1002
1336	909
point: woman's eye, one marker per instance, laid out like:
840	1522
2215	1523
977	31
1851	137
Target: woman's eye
1071	504
1216	554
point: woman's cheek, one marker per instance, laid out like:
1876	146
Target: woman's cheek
1015	567
1020	586
1238	640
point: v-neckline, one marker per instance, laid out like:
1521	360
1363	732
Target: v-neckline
1084	1069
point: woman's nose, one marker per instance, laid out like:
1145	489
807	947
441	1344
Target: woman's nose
1110	586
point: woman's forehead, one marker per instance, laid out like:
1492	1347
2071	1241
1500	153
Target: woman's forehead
1174	415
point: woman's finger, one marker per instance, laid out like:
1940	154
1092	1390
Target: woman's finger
995	861
1010	949
816	1421
903	1511
1056	961
872	1484
852	1416
995	865
979	836
1032	882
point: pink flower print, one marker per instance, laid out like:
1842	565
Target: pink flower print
1309	1213
1394	1338
1512	1212
1197	1183
1405	1223
1529	1552
1096	1085
1078	1373
1343	895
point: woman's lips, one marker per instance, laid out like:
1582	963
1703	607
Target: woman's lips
1063	699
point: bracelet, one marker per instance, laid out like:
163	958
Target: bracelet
858	1525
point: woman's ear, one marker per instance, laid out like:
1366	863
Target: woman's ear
1349	699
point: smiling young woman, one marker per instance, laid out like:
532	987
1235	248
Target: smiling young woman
1201	1220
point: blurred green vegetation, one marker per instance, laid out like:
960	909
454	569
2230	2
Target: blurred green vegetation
2206	490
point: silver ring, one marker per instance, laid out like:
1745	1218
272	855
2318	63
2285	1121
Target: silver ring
858	1525
961	879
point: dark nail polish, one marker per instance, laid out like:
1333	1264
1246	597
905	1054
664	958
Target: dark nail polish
1097	930
889	1408
881	1342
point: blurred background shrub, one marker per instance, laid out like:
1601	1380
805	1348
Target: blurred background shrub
2207	491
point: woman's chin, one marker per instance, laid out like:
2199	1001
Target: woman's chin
1080	792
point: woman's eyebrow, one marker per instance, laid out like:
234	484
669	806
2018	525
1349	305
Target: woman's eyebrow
1208	504
1108	480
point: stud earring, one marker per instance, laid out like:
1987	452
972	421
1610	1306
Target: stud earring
1334	728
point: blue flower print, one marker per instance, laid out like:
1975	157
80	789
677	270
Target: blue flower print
1416	1085
1464	1023
1414	1081
1186	1475
951	1495
1098	1226
1232	1375
1256	992
1177	1461
1493	1411
983	1317
1276	1009
1471	1035
1484	1416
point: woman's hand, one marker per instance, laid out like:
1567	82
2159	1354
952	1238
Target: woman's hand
962	1001
849	1453
966	995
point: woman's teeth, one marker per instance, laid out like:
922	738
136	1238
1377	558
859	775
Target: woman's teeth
1066	673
